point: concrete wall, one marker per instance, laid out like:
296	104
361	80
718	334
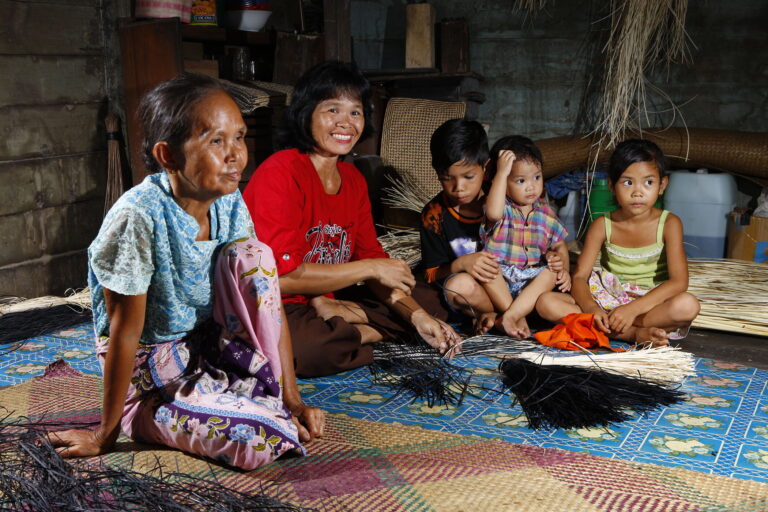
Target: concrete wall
535	69
52	148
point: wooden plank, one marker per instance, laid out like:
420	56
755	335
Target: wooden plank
419	36
337	30
151	52
44	182
50	28
453	46
294	54
54	230
46	130
41	80
50	275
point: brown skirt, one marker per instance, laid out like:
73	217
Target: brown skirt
325	348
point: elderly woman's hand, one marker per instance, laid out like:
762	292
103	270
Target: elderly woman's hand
310	421
436	332
393	273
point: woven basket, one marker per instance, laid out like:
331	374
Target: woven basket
408	127
741	153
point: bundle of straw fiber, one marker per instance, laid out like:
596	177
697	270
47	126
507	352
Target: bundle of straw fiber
733	295
658	364
34	477
21	319
115	186
403	244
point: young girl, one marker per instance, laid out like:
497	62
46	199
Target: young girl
162	249
526	238
638	293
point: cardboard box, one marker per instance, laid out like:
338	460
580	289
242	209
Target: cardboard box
747	237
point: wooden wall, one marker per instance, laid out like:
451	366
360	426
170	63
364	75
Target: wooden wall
52	148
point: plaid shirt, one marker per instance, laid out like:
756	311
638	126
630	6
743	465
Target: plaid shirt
520	241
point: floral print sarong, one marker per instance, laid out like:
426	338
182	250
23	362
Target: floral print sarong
221	398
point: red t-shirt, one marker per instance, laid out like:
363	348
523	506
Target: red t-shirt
294	215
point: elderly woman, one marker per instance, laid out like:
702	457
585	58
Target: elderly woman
313	210
228	393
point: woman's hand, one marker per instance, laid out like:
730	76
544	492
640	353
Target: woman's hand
481	265
435	332
81	443
310	421
393	273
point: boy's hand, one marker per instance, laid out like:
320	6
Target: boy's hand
554	261
481	265
505	161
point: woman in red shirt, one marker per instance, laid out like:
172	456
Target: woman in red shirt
313	210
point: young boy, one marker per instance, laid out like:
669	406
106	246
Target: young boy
526	238
450	230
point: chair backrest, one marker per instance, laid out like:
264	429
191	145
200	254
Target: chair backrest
408	127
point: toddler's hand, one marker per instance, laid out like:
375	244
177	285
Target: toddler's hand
554	261
505	161
563	281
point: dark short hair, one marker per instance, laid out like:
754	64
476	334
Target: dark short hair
523	148
458	140
330	79
632	151
165	112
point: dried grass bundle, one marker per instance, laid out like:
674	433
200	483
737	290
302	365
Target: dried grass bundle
660	364
21	319
34	477
733	295
403	244
405	193
643	34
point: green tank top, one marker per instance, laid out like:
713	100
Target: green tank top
643	266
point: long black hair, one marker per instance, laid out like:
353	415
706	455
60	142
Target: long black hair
330	79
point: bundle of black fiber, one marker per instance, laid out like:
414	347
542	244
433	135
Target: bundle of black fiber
420	372
34	477
22	325
569	397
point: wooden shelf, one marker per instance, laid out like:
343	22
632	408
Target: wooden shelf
205	34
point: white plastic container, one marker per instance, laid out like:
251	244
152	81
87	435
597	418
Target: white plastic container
570	214
702	200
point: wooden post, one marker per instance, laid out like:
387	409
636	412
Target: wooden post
453	46
420	36
294	54
337	30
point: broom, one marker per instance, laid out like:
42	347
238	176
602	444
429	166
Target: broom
114	167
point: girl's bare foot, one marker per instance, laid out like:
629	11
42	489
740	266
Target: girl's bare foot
485	322
328	308
653	336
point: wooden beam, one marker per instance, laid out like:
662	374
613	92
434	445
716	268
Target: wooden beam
337	29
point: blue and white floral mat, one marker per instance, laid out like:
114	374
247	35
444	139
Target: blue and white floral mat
722	428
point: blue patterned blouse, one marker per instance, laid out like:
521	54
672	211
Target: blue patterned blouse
147	245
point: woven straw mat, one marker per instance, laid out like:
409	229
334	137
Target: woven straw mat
408	127
366	466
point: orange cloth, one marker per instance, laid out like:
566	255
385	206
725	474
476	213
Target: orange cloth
577	328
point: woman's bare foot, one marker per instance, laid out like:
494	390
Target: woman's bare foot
653	336
328	308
